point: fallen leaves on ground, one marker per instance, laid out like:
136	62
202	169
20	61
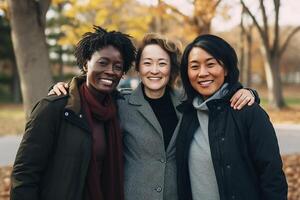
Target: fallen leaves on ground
291	167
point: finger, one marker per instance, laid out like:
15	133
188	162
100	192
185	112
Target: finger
62	88
243	103
251	102
56	90
239	101
51	92
235	98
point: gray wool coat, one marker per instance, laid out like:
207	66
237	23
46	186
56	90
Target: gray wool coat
150	171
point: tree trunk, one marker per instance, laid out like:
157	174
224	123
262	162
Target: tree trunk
27	19
242	56
274	83
15	85
248	60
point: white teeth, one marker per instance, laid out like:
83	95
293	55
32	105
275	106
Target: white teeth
205	83
106	81
154	78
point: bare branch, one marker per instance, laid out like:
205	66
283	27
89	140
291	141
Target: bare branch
265	19
175	10
276	25
260	30
217	3
287	41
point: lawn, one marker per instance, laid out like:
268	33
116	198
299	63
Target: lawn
12	117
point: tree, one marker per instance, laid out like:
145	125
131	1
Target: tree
27	19
203	14
245	50
7	53
271	49
59	54
123	15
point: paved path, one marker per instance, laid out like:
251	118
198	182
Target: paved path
288	138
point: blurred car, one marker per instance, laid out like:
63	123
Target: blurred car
128	84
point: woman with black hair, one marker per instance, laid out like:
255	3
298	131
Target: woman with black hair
72	146
223	153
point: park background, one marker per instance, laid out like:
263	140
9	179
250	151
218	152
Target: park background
37	39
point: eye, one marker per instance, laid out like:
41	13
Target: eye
194	67
102	63
147	63
211	64
162	64
118	67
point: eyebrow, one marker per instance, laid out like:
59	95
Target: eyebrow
208	59
108	59
165	59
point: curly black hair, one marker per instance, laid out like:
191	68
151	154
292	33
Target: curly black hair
100	38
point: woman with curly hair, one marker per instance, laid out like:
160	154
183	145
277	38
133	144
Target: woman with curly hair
72	146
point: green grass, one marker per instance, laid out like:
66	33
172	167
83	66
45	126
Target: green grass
12	119
290	101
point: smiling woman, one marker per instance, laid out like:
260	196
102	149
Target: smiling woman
72	147
223	153
206	74
104	70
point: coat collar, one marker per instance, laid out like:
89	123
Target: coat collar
137	99
74	102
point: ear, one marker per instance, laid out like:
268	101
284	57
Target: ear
225	72
85	68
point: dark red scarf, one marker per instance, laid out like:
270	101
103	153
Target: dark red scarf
112	183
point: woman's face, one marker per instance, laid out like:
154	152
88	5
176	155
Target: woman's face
205	74
104	70
154	70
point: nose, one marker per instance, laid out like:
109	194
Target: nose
203	71
154	68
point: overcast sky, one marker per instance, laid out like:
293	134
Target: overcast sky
289	11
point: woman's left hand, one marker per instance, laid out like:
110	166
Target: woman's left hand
241	98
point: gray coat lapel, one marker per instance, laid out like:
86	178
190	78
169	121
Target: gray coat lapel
177	99
137	98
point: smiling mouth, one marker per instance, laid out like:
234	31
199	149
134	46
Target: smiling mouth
106	81
205	83
154	78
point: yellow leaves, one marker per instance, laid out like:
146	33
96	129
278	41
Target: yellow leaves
57	2
126	16
4	6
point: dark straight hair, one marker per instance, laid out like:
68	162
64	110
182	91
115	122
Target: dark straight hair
217	48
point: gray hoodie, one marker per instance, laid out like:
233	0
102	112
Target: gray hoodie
202	175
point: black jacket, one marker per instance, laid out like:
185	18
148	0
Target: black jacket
54	155
244	150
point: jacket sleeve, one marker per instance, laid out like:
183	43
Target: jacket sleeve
255	94
265	154
34	152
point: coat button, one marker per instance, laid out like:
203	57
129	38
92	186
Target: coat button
80	115
66	114
219	108
228	166
222	139
158	189
162	160
232	197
